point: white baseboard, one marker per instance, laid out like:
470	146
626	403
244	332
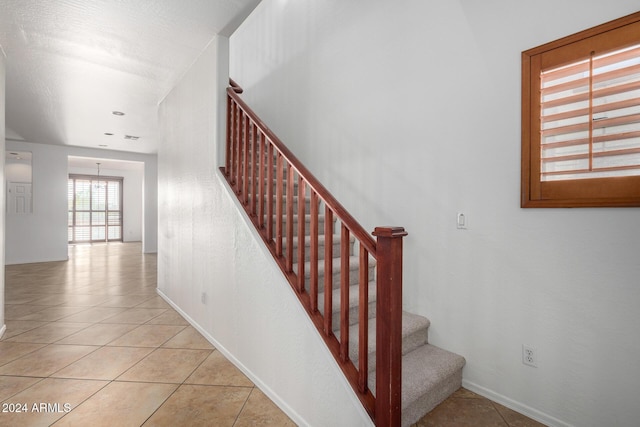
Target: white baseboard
3	330
516	406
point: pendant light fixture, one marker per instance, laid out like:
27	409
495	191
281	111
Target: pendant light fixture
97	184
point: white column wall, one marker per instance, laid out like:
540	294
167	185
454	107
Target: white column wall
410	113
41	235
215	270
3	195
150	206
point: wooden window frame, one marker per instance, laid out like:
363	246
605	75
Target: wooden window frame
589	192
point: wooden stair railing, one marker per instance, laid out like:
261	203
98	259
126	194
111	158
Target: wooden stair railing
291	209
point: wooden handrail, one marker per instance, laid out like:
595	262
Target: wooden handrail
235	86
254	154
313	182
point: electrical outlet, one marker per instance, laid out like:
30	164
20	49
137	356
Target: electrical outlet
203	298
529	356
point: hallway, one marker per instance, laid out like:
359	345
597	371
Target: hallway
91	340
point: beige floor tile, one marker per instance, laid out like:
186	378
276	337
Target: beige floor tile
194	406
17	311
166	365
95	314
10	351
49	332
125	301
84	300
56	403
217	370
108	289
189	338
156	302
106	363
56	299
170	317
12	385
98	334
23	298
261	411
145	291
114	405
515	419
463	393
51	314
147	336
463	412
45	361
135	315
17	327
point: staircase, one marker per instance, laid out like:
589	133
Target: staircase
349	283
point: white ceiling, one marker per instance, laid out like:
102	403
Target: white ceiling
71	63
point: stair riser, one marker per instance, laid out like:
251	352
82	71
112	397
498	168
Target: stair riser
423	405
275	183
307	203
354	279
409	343
353	313
307	225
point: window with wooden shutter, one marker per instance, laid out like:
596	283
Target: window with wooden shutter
581	119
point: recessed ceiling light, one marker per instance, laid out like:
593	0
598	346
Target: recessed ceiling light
14	154
131	137
117	113
103	145
108	133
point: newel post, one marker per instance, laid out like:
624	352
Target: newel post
389	326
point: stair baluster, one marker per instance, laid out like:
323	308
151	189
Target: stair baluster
254	155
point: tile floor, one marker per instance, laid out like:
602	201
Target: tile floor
89	342
91	338
467	409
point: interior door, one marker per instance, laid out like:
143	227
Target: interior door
19	198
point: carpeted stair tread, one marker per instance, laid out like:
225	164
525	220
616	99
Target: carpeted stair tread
414	334
429	375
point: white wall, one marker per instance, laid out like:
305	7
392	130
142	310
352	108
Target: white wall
132	198
205	246
42	235
2	196
150	206
410	112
